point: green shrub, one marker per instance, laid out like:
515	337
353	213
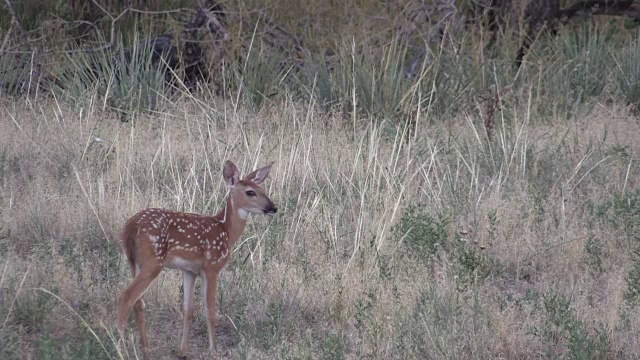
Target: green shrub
632	294
83	347
593	254
623	214
47	349
32	309
564	328
11	340
432	327
422	234
333	347
473	266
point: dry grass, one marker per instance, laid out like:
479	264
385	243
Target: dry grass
330	276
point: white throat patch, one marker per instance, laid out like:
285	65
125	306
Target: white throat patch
244	214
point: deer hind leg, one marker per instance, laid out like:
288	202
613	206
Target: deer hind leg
188	284
138	310
135	269
130	296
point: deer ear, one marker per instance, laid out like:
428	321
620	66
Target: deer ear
230	173
259	175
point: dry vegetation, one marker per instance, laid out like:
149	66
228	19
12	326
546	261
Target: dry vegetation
515	250
469	212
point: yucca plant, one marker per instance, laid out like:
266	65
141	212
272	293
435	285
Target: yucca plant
361	79
316	81
627	74
126	80
259	75
569	70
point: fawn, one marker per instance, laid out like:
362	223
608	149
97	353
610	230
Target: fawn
196	244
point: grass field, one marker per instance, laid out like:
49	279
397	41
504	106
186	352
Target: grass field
415	221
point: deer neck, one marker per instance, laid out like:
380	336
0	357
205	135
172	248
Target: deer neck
233	220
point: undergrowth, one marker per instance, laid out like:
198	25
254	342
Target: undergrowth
422	213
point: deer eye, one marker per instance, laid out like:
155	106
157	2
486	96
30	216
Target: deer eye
251	193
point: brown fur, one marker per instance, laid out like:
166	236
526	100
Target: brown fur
199	245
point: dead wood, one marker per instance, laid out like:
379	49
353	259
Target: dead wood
23	85
546	15
184	53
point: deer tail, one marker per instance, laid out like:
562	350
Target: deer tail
129	244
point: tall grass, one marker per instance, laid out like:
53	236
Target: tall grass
350	259
627	72
567	74
463	212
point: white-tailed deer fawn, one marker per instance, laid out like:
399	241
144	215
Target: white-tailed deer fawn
196	244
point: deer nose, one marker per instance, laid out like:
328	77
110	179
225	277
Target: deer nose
271	209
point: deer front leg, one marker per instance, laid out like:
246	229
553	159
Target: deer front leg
209	284
189	280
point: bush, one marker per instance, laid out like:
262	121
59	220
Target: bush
422	234
127	81
564	328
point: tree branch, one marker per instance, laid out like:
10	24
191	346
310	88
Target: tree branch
602	7
112	35
543	16
6	38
